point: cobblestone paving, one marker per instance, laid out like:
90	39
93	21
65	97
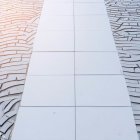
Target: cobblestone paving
125	22
18	24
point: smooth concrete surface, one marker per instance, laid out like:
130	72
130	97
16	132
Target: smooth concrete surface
101	91
91	22
42	63
60	44
49	91
90	91
97	40
45	123
87	9
105	124
97	63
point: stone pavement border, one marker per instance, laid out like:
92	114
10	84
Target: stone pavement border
18	25
124	18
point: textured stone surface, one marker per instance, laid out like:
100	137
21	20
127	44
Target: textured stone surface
125	22
18	24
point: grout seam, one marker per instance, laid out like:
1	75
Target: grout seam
77	106
74	68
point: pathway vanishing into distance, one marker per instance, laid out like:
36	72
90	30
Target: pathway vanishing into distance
75	88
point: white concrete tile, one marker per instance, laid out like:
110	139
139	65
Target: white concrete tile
89	8
94	40
97	63
86	1
100	123
54	41
58	8
51	63
44	123
60	1
55	22
48	91
101	91
92	22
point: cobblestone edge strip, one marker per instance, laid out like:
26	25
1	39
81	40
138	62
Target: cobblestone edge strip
124	18
18	25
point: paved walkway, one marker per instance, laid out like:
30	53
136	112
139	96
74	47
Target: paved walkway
75	89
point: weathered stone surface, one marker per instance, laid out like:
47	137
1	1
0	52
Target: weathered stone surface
124	18
18	25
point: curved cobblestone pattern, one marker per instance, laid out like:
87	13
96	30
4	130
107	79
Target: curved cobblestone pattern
18	24
125	22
